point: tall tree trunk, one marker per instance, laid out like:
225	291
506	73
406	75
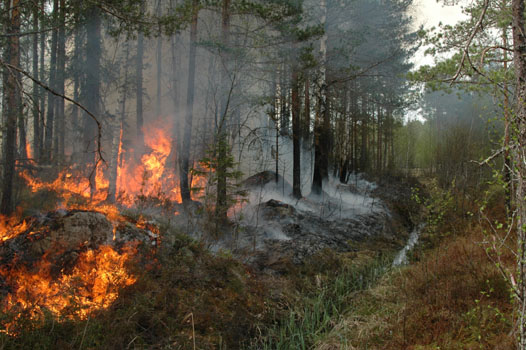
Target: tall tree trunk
14	106
306	119
363	150
42	91
519	155
139	92
36	112
507	160
50	118
296	135
159	56
222	139
60	129
118	133
187	137
92	83
320	141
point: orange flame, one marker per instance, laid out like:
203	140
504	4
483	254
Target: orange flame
92	284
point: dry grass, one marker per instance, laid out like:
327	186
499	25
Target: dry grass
453	297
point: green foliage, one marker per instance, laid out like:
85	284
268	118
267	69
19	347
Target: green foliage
222	189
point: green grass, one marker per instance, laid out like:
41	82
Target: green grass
315	317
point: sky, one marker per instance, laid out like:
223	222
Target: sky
430	13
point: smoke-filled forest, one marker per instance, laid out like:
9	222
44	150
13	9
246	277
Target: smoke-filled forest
249	174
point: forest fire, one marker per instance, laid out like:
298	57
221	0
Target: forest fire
151	176
74	289
92	284
47	266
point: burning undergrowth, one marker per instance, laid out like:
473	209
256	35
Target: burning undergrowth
68	263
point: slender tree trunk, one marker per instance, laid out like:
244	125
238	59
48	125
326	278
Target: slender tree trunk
92	82
221	203
187	137
42	91
159	56
36	112
60	129
14	106
296	135
320	141
306	121
50	118
519	156
507	160
139	92
118	133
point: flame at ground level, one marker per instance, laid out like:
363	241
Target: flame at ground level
92	284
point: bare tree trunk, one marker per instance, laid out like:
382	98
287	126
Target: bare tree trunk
159	57
42	92
507	160
222	139
306	119
187	137
296	135
519	157
118	133
36	112
50	122
92	81
60	129
320	170
139	92
14	104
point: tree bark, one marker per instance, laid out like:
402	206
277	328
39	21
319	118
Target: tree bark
60	129
296	135
187	137
222	139
519	156
50	122
159	56
14	104
139	92
36	112
320	140
92	82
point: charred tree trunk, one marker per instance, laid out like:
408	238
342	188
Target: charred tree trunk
42	92
14	104
222	142
139	92
60	129
51	99
296	135
187	137
118	133
306	119
36	111
159	57
92	82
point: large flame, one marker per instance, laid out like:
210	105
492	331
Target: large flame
92	284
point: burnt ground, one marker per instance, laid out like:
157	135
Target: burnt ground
279	230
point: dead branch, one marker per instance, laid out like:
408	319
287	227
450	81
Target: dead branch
47	88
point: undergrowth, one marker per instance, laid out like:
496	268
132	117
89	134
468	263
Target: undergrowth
315	315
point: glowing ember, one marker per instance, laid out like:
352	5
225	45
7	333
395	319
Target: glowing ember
29	151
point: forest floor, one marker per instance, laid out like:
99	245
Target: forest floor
275	288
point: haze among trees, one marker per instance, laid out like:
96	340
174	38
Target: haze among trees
184	104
